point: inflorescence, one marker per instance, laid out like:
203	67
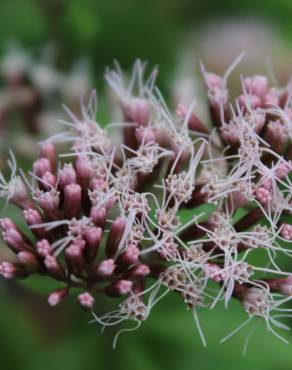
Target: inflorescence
106	217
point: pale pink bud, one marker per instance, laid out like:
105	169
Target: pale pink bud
119	288
41	166
98	216
14	240
283	169
99	184
137	110
67	176
49	202
92	238
286	231
130	255
54	267
57	296
213	80
276	135
86	300
263	195
74	257
6	223
256	85
272	98
106	268
43	248
28	259
48	151
249	101
32	216
138	272
84	170
145	135
115	235
72	200
11	271
49	181
194	123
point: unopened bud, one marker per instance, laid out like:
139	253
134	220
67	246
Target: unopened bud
57	296
43	248
86	300
119	288
72	200
115	236
130	255
105	268
138	272
92	238
54	267
67	176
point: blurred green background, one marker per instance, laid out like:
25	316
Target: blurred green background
172	34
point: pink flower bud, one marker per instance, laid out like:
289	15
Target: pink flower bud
49	202
57	296
286	231
282	169
145	135
13	238
48	181
72	200
213	80
43	248
86	300
98	216
54	267
11	271
115	236
32	216
263	195
29	260
41	166
276	135
138	272
99	184
84	170
194	123
256	85
249	101
271	99
74	257
137	110
119	288
130	256
106	268
6	223
48	151
92	238
67	176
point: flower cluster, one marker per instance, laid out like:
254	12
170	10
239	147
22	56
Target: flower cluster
174	205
